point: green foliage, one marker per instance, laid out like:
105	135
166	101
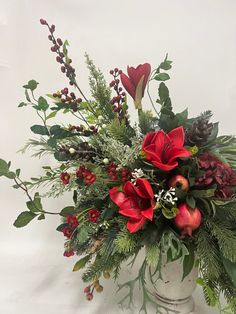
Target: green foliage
42	104
31	85
153	255
100	92
24	218
81	263
125	242
69	210
39	129
5	170
161	77
119	131
230	268
146	121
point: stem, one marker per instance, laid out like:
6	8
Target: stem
150	98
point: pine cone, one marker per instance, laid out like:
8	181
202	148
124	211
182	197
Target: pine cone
199	132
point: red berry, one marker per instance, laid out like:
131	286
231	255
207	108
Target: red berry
43	22
59	41
89	296
120	72
87	289
116	69
63	69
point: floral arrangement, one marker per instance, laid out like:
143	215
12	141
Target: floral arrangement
165	183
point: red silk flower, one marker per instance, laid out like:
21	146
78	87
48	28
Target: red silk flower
135	202
162	149
136	82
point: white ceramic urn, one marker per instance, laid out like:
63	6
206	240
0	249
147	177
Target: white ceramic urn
172	292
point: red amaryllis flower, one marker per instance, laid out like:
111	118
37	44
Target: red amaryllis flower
65	178
135	202
136	82
162	149
93	215
72	221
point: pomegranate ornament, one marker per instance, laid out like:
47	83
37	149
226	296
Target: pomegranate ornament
179	182
187	219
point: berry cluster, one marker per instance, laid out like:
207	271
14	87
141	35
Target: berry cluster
68	98
124	173
117	100
85	175
112	171
68	230
90	289
61	57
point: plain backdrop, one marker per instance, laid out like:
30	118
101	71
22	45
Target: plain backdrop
200	38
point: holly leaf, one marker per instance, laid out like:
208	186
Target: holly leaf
81	263
23	219
32	85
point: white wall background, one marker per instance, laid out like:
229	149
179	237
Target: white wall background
199	35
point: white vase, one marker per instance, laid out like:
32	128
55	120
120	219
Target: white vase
173	293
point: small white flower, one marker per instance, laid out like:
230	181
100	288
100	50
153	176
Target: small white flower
100	118
137	173
72	150
104	126
105	161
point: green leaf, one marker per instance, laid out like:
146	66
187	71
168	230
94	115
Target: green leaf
191	201
4	168
61	227
27	96
166	65
51	115
230	268
58	132
39	129
83	234
52	142
37	202
163	92
169	213
42	104
41	217
69	210
23	219
188	262
32	85
81	263
22	104
17	172
162	77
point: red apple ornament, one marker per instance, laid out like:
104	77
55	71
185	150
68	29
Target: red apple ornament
179	182
187	219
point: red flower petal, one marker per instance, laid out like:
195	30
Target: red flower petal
149	139
177	136
128	85
134	225
116	196
176	152
145	187
131	212
148	213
